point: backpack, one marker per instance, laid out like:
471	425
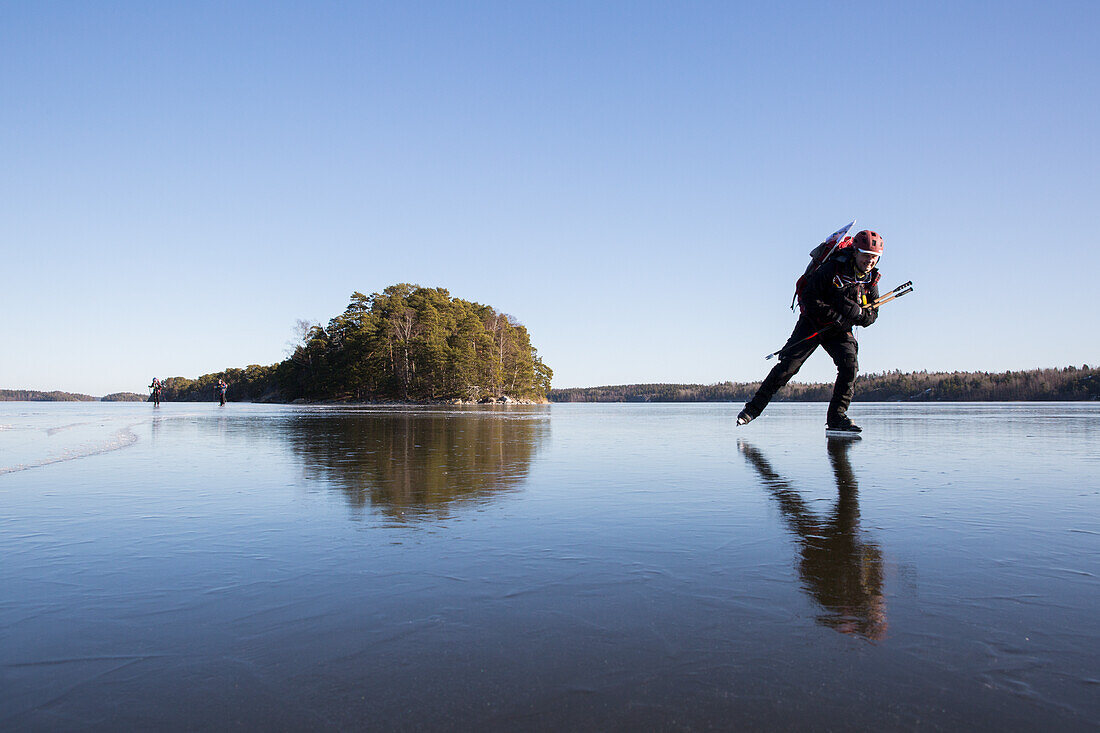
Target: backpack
835	243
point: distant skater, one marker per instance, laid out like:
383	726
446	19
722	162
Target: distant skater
832	299
155	386
220	389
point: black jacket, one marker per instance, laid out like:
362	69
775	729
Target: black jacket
836	293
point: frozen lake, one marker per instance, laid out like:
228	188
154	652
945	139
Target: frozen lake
575	566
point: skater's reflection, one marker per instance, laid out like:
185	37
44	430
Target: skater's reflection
839	567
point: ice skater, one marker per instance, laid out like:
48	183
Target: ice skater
841	292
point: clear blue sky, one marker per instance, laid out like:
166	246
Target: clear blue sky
637	182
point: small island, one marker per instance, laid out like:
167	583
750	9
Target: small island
406	344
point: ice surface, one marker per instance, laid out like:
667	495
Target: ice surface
561	567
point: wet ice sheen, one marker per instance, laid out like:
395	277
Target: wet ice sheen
573	566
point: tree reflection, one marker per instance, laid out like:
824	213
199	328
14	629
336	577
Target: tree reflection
407	463
839	567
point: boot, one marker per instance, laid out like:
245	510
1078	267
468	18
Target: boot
842	424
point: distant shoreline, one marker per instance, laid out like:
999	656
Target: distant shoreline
1067	384
1058	384
523	403
34	395
27	395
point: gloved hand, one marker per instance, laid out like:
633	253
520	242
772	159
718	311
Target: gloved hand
867	316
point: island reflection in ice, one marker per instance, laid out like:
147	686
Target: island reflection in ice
410	462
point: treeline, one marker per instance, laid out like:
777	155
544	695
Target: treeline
414	343
1068	383
254	383
406	343
33	395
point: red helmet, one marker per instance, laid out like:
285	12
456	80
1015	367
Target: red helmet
869	242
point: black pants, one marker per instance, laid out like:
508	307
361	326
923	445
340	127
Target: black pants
841	345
